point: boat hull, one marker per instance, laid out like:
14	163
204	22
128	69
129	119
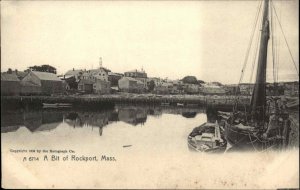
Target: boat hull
248	141
207	138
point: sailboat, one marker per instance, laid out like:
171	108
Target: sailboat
262	125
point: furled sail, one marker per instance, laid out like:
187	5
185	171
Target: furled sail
258	100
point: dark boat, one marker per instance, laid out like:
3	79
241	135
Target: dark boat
56	105
265	124
207	138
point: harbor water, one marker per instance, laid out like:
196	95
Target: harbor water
129	147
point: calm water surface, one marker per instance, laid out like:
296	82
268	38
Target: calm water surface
155	155
144	129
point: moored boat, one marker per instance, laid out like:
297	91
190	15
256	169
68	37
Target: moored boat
207	138
56	105
266	123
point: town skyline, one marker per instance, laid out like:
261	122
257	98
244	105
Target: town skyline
202	39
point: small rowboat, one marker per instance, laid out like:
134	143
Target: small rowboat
207	138
56	105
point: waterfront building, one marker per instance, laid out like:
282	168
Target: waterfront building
140	76
191	88
129	84
136	74
85	85
71	81
29	88
101	86
209	89
113	78
157	81
20	74
10	84
74	73
95	81
49	82
165	87
66	86
101	73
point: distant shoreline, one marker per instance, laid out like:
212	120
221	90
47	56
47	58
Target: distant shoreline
109	100
112	99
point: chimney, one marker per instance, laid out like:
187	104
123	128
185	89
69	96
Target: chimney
9	71
73	69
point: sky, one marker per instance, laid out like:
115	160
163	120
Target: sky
168	39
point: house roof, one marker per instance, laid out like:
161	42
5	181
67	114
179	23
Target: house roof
20	74
46	76
86	74
129	78
29	83
73	72
114	74
9	77
95	71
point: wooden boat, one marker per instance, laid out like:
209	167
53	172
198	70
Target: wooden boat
264	125
56	105
207	138
180	104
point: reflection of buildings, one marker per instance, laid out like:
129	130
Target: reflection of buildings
93	119
43	120
11	121
34	121
133	116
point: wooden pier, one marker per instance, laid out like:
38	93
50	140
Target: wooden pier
103	101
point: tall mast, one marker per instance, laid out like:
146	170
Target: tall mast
258	100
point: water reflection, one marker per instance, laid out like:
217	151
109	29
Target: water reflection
47	120
33	120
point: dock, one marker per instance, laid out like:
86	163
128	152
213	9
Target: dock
111	100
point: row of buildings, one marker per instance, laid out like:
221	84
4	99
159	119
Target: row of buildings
30	83
103	81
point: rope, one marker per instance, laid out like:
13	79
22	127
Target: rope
278	39
247	52
255	54
251	142
285	39
250	42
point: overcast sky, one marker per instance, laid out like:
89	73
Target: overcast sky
207	39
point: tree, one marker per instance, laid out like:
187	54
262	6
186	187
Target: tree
190	80
43	68
201	82
9	71
151	85
217	83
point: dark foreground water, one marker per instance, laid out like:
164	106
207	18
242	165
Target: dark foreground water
128	147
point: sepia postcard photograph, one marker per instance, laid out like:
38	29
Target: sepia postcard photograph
150	94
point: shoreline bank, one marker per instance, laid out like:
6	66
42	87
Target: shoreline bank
108	100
